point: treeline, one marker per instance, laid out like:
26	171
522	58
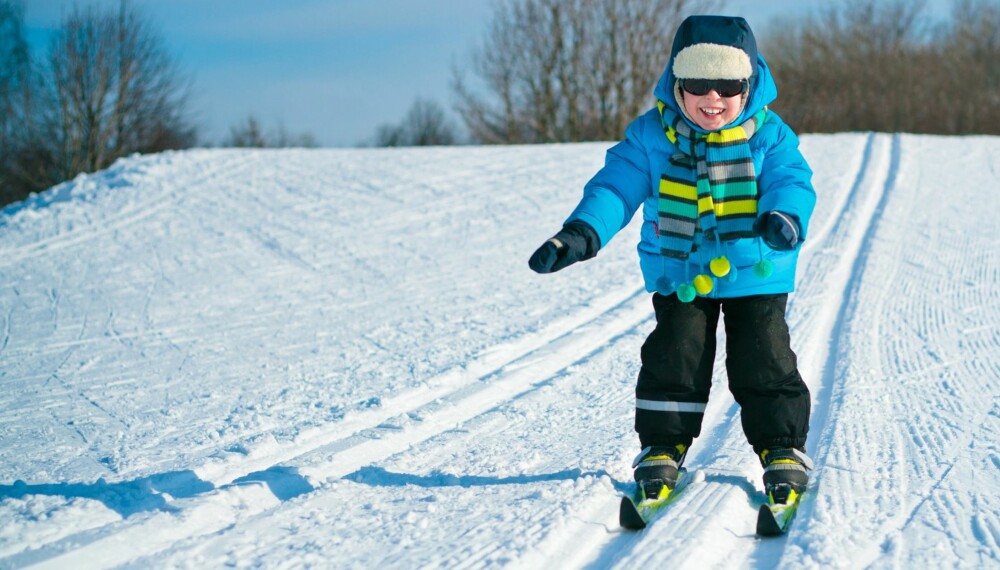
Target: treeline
884	66
105	88
580	70
545	71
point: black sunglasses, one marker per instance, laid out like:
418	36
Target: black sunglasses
724	87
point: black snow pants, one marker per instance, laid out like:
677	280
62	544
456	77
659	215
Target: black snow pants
676	373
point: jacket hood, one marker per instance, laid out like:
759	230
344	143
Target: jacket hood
711	39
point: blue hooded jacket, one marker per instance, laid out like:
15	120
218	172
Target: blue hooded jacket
631	175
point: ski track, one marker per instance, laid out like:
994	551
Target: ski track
229	469
529	365
916	467
895	432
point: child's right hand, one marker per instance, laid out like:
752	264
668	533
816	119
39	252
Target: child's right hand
576	242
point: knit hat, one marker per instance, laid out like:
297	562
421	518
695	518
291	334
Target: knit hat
713	47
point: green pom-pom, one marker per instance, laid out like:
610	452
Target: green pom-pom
763	268
686	293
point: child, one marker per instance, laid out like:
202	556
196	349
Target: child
726	198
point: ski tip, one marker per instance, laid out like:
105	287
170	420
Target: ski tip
767	525
628	515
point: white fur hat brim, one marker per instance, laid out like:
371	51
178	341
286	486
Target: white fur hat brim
712	61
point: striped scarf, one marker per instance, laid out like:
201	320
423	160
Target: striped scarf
715	192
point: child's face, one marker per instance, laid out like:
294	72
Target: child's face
711	111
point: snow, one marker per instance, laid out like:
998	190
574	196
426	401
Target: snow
293	358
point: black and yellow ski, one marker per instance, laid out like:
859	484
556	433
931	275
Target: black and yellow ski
773	518
637	511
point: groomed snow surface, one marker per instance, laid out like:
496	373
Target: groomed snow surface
339	358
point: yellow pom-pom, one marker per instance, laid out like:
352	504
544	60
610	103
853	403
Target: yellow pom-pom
720	266
704	284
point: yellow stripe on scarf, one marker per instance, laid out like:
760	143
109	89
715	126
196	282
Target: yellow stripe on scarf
670	132
720	137
707	205
736	207
678	190
727	136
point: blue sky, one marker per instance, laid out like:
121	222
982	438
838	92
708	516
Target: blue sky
335	68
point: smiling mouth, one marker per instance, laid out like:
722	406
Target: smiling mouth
712	112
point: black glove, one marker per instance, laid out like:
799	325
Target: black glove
576	242
779	230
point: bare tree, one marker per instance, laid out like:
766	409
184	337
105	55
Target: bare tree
283	138
247	134
836	68
567	70
14	65
15	95
107	89
425	124
967	65
390	135
115	90
250	134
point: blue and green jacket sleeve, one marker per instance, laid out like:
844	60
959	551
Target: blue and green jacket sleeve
614	194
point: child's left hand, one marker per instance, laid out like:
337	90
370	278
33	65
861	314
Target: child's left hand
779	230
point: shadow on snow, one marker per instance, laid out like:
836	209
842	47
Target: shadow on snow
379	477
156	492
125	498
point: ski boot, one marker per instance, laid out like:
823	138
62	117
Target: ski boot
657	469
785	474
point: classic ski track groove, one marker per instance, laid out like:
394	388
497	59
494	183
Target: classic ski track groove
491	379
864	202
872	188
481	420
440	387
919	458
524	377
